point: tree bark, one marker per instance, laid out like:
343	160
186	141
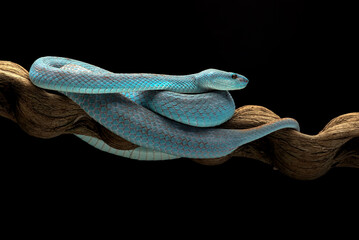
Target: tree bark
46	114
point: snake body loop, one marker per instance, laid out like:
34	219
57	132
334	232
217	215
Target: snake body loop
188	107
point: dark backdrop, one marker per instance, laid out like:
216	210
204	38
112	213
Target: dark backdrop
300	59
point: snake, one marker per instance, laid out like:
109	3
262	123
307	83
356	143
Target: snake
167	116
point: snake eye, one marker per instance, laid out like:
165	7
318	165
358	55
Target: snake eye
234	76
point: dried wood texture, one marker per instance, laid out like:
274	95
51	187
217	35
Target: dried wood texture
47	114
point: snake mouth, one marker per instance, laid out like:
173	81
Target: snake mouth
226	87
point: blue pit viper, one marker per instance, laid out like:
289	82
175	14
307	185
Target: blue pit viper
167	116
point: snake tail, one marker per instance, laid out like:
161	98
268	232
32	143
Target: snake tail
142	153
252	134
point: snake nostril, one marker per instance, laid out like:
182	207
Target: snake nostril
243	80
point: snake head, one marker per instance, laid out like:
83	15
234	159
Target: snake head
221	80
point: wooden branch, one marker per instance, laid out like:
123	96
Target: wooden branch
47	114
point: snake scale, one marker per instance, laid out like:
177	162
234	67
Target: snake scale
168	116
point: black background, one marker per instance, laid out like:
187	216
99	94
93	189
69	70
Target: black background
300	58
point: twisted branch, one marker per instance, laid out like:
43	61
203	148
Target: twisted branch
47	114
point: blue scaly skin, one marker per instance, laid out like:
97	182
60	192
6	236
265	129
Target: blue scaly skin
124	104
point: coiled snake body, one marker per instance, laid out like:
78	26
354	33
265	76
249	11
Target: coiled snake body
167	116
